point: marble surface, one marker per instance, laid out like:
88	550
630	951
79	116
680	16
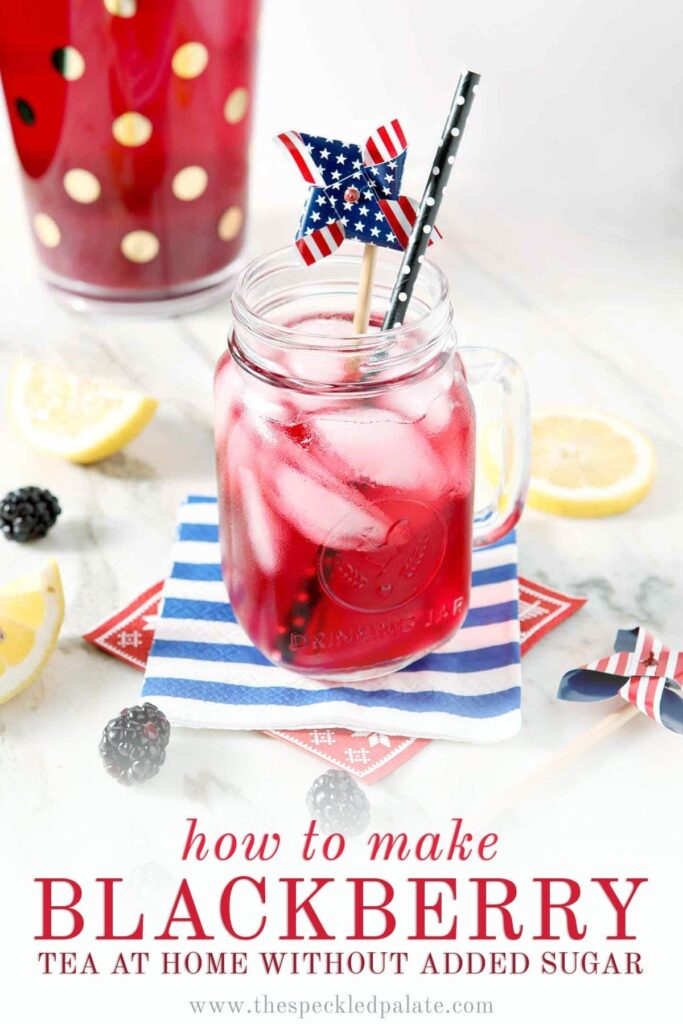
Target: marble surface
592	311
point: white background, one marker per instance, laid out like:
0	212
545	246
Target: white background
580	104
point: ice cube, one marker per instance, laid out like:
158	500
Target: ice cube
227	404
332	326
439	413
261	525
320	364
377	445
319	367
316	510
239	447
433	412
269	408
411	401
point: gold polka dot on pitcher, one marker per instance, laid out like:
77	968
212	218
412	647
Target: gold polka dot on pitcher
230	223
69	62
139	246
189	60
47	231
236	105
190	183
132	129
122	8
81	185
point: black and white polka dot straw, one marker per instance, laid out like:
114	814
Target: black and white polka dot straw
431	199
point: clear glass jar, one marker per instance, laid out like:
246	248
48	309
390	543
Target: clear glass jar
346	467
131	122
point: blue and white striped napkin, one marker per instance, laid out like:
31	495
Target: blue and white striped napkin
205	672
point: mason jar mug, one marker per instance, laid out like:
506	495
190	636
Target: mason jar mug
346	467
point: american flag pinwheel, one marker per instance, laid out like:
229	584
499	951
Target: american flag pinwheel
355	193
641	671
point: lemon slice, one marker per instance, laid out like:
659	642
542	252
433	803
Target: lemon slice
76	418
588	464
31	614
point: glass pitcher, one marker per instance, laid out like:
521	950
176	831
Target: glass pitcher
346	466
131	120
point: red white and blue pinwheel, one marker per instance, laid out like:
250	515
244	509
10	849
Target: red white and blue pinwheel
641	671
355	193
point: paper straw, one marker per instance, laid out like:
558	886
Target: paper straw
431	199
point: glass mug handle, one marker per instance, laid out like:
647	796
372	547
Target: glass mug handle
501	403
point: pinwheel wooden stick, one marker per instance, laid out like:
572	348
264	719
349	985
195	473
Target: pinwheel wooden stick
361	319
643	672
553	766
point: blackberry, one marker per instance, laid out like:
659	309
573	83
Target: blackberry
133	746
300	614
28	513
338	804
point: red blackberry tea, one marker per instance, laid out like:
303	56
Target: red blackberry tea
131	123
346	471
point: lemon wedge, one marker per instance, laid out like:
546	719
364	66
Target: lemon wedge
77	418
31	614
588	464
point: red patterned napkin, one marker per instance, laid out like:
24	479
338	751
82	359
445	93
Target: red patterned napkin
541	610
128	635
129	632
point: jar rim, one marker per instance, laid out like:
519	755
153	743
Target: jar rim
297	337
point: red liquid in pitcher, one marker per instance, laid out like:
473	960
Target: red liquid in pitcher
346	524
131	123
